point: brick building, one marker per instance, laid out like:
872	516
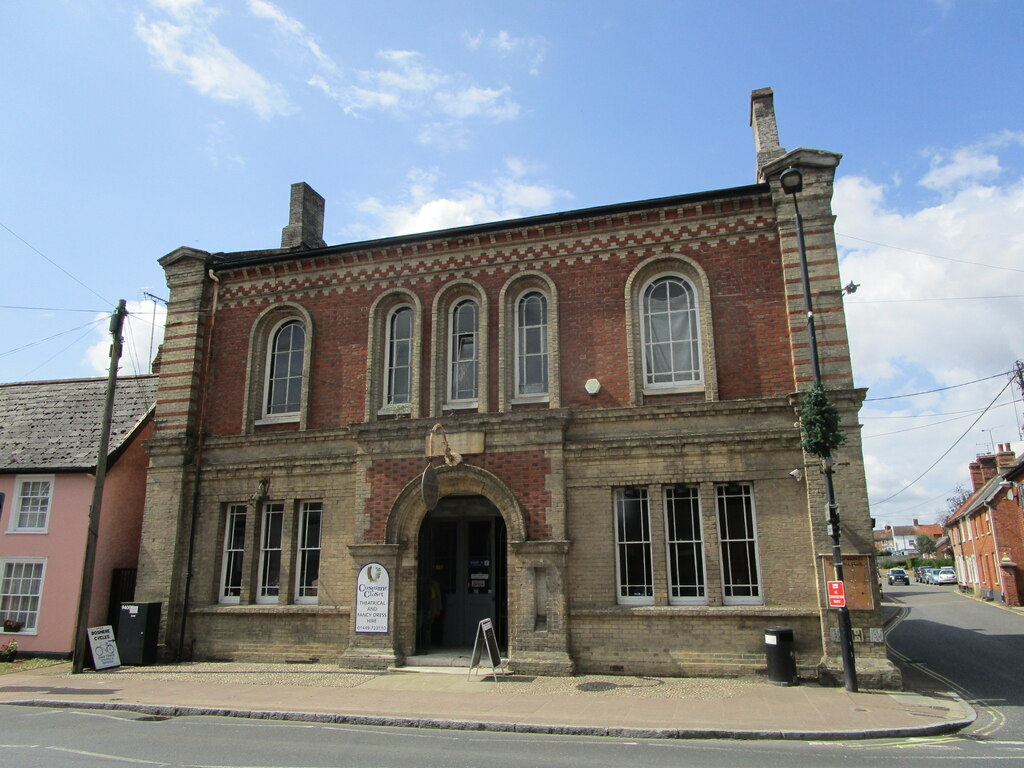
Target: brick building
987	531
616	390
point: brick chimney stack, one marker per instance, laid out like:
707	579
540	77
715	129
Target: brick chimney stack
982	470
305	219
766	130
1005	458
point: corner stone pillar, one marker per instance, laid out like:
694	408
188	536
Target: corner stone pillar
167	514
538	621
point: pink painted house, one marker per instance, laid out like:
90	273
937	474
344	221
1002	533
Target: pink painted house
49	437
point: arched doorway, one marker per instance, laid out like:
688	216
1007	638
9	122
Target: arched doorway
462	573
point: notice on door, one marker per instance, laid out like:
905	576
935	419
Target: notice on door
373	595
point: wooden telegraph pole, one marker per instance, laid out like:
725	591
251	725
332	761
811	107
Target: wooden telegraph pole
89	564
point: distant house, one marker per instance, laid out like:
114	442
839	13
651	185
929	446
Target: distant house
883	539
49	438
987	531
904	539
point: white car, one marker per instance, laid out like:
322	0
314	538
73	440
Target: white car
944	576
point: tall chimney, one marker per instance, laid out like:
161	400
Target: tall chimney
766	131
305	219
1005	458
982	470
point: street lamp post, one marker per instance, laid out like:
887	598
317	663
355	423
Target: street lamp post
792	183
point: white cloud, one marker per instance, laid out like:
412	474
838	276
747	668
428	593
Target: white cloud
293	29
425	209
530	49
143	333
185	45
478	102
903	340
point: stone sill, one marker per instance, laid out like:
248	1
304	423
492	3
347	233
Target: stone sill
270	609
670	611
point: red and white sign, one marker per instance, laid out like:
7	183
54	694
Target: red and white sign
836	594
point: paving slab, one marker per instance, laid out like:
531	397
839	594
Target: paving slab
635	707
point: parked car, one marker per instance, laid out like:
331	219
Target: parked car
919	573
898	576
944	576
926	575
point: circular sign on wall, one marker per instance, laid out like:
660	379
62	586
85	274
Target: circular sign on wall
428	487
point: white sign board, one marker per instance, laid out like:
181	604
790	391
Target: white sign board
373	594
104	648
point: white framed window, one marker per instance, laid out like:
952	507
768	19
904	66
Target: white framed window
285	360
685	540
307	586
463	352
234	553
531	345
21	589
398	365
271	537
33	496
737	534
670	333
633	565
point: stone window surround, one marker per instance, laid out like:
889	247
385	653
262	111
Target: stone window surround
712	549
511	293
440	354
377	355
260	339
646	272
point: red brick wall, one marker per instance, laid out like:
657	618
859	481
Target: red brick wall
524	472
589	270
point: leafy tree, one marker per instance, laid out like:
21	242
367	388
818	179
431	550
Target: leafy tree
925	544
956	500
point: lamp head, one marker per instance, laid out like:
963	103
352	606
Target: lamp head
792	180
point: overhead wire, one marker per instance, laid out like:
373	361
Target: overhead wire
54	263
940	389
948	450
930	255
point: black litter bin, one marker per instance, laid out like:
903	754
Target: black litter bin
778	649
137	633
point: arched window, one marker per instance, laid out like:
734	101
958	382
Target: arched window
670	333
286	355
463	351
398	366
532	344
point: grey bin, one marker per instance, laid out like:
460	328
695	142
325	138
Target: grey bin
779	653
138	630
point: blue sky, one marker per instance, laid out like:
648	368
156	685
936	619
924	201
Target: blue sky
135	127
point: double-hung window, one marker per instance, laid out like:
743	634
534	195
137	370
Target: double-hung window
32	499
633	547
234	554
463	352
398	387
685	545
271	540
21	589
307	586
737	534
532	345
286	356
670	333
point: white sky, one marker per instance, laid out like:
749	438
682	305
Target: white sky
135	127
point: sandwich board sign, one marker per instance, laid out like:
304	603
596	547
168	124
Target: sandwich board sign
487	641
103	647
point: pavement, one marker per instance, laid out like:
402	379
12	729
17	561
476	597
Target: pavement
632	707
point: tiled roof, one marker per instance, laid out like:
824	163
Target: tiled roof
904	530
55	425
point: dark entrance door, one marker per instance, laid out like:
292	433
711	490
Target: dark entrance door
462	573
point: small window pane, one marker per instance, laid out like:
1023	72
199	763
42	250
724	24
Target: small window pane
284	379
